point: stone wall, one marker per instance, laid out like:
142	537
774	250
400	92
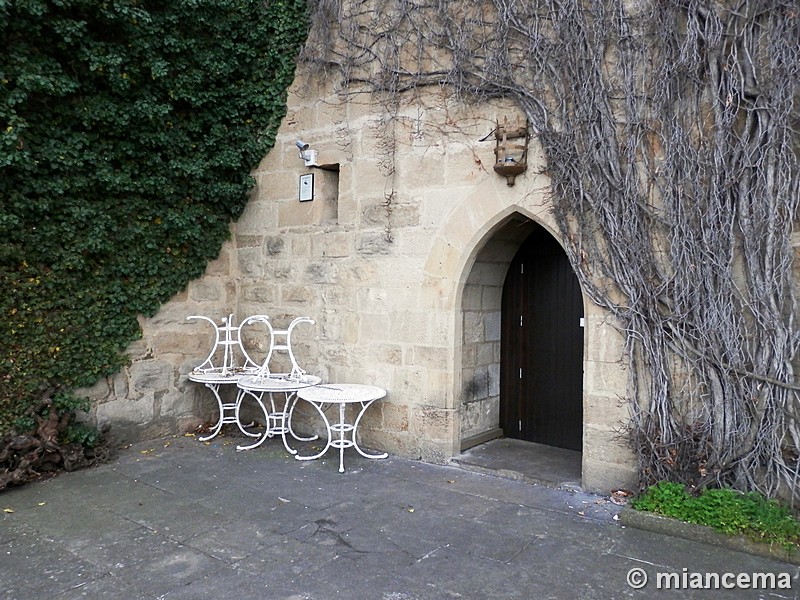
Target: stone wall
400	258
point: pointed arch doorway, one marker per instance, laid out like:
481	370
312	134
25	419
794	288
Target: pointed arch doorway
541	375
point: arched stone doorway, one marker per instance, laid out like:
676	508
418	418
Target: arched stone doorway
482	359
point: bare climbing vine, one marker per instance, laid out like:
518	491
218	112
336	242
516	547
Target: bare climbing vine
670	129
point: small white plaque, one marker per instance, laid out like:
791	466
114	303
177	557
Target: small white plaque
306	187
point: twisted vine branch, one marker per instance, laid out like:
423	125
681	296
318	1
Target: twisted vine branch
670	132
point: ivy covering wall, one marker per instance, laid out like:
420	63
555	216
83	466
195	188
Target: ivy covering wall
127	133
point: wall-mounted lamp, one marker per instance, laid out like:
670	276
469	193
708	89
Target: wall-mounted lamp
512	157
307	155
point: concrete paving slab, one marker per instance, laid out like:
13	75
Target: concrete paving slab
177	518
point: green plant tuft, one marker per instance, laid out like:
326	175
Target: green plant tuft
729	511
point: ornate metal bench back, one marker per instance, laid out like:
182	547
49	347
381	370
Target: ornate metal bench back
228	343
297	372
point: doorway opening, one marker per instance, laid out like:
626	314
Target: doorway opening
538	415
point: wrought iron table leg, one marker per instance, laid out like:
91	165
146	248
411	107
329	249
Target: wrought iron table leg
267	428
327	428
364	407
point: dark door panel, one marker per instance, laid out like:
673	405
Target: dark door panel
541	382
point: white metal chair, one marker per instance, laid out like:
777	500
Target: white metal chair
226	363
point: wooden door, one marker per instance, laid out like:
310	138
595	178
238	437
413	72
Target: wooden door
541	380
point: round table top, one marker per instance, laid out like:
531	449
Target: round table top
276	382
219	376
341	392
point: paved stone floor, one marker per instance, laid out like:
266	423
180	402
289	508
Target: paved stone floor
524	461
178	519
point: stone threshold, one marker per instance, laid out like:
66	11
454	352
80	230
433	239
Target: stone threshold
701	533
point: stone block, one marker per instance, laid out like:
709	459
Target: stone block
413	242
98	391
489	274
220	266
249	241
389	354
443	260
402	215
602	478
171	342
332	245
486	353
262	294
431	423
151	376
373	327
259	217
437	205
441	327
608	412
206	290
469	355
370	177
125	410
492	326
119	383
281	186
408	327
436	451
472	298
394	417
374	242
478	417
251	262
476	385
373	300
494	380
322	272
605	343
278	271
408	383
606	445
431	357
274	245
492	297
296	294
170	315
350	328
374	214
608	379
301	245
295	214
177	404
473	331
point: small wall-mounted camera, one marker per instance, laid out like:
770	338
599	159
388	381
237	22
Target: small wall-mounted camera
308	156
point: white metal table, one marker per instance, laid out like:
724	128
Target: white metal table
342	394
278	417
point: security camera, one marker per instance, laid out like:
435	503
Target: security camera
307	156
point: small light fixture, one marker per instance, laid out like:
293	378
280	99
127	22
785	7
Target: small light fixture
512	156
